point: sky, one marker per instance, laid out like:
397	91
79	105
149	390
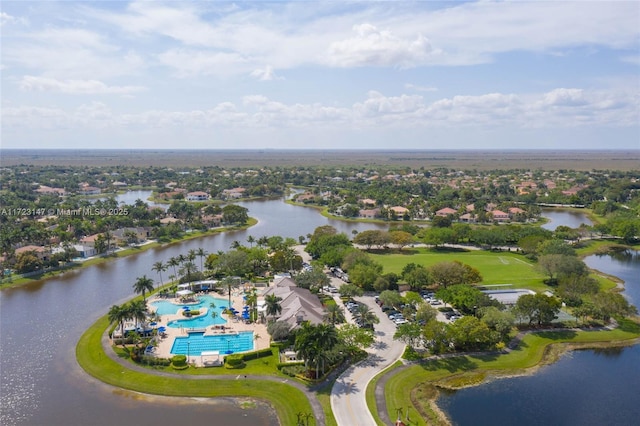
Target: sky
320	75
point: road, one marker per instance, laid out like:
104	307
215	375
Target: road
348	396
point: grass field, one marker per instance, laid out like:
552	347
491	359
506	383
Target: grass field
495	267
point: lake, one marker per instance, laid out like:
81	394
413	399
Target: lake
41	322
586	387
564	217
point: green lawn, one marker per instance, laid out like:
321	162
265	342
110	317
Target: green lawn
495	267
286	400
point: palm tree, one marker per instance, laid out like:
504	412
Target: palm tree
117	314
230	282
202	254
273	304
159	267
173	262
191	255
137	311
236	244
142	285
335	314
366	315
252	301
188	269
251	240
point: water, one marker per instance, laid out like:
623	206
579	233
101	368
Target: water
587	387
166	307
40	324
582	388
196	343
130	197
563	217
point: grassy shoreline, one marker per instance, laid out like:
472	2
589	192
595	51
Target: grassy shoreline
417	386
286	400
124	253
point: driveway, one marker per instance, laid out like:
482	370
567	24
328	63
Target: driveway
348	400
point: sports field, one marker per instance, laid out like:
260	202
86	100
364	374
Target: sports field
495	268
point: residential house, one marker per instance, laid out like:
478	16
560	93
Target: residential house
500	216
233	193
124	236
399	211
41	252
197	196
50	191
369	213
447	211
84	251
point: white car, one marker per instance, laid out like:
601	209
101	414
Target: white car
399	321
436	302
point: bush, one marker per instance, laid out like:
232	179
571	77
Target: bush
234	361
293	370
257	354
179	360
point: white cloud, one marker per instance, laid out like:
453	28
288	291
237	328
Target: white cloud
419	88
189	62
75	87
266	74
373	47
5	18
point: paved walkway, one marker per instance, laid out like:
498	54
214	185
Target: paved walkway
348	396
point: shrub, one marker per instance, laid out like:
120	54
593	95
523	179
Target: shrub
293	370
257	354
234	361
179	360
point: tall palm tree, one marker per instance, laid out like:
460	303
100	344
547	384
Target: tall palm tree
252	301
251	240
202	254
137	311
230	282
159	267
191	255
366	315
335	314
174	263
118	314
142	285
273	305
188	269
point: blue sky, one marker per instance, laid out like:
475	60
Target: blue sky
320	75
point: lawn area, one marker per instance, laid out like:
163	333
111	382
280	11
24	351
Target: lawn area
402	388
286	400
495	267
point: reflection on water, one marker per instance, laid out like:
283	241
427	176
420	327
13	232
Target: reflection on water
563	217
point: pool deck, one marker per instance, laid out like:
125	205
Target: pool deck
163	349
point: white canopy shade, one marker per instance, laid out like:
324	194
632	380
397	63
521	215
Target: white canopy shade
183	292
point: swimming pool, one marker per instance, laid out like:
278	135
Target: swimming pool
164	307
196	343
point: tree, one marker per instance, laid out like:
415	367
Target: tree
174	263
159	267
118	314
350	290
137	311
608	305
354	338
234	214
314	342
401	238
335	314
273	305
573	288
202	254
365	275
436	336
425	313
230	283
469	333
410	334
500	321
279	330
448	273
537	308
28	262
312	279
142	285
391	298
366	315
465	298
416	276
560	265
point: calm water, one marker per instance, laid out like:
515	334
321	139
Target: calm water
563	217
40	324
587	387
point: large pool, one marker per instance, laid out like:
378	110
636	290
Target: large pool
196	343
164	307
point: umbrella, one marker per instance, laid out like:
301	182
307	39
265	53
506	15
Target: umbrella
153	324
186	308
162	328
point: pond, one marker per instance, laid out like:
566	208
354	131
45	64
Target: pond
587	387
564	217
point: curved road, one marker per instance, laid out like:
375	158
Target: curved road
348	396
